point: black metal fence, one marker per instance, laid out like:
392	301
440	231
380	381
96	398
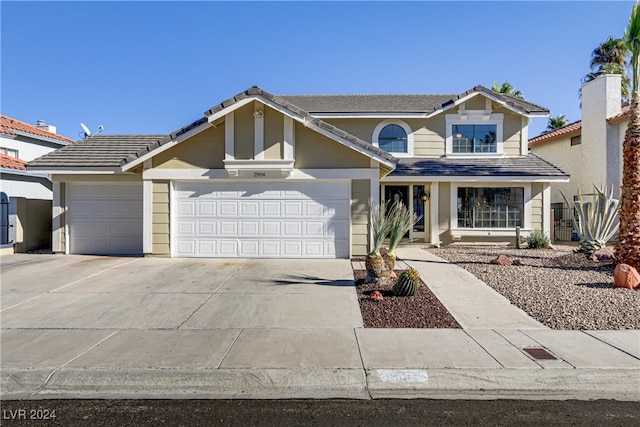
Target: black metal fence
562	224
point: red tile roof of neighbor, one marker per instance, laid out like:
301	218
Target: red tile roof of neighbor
571	129
575	128
621	116
9	126
9	162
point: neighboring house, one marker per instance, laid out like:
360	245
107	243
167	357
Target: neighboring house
25	217
590	150
261	175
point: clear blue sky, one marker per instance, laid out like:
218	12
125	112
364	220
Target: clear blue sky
152	67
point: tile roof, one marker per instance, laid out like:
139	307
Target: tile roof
300	112
575	128
316	104
96	151
9	162
572	129
9	126
621	116
522	166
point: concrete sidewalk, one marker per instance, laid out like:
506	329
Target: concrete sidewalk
231	350
470	301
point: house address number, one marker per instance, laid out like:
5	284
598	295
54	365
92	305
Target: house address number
259	174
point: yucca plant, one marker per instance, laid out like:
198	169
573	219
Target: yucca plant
597	219
538	240
380	227
407	284
400	221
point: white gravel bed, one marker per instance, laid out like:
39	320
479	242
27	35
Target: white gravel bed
561	289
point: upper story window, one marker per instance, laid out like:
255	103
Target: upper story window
394	137
576	140
474	138
474	133
9	152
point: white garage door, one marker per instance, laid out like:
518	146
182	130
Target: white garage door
105	219
271	220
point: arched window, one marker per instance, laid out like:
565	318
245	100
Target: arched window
395	137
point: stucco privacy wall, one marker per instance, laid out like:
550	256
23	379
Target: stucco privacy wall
161	219
429	134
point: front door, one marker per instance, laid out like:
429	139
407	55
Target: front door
416	199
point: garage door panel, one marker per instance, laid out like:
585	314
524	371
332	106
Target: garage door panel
292	209
228	208
271	209
208	228
279	219
207	208
228	248
105	219
207	247
228	228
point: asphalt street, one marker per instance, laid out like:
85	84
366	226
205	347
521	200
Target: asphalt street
419	412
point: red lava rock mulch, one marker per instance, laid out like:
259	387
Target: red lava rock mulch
423	310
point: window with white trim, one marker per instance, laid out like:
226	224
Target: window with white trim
490	207
394	137
474	133
9	152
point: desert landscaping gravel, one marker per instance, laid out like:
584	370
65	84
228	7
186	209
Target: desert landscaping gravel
560	288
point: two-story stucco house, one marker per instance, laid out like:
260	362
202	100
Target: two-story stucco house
25	197
261	175
590	150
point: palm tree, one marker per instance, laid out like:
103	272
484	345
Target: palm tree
611	57
507	88
610	51
557	122
628	247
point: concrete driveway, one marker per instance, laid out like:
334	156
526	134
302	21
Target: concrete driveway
90	292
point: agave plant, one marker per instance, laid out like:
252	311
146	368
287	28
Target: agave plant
400	221
597	219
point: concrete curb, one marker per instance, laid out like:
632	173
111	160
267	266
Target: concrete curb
188	384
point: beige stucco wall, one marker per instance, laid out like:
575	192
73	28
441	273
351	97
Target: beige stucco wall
204	150
360	217
244	132
570	159
315	151
161	218
33	224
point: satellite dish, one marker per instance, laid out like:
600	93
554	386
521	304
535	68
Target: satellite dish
87	132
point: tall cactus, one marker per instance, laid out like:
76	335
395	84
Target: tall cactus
407	284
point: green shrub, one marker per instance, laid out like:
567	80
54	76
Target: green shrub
538	240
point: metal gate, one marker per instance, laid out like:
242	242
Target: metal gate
4	219
562	224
